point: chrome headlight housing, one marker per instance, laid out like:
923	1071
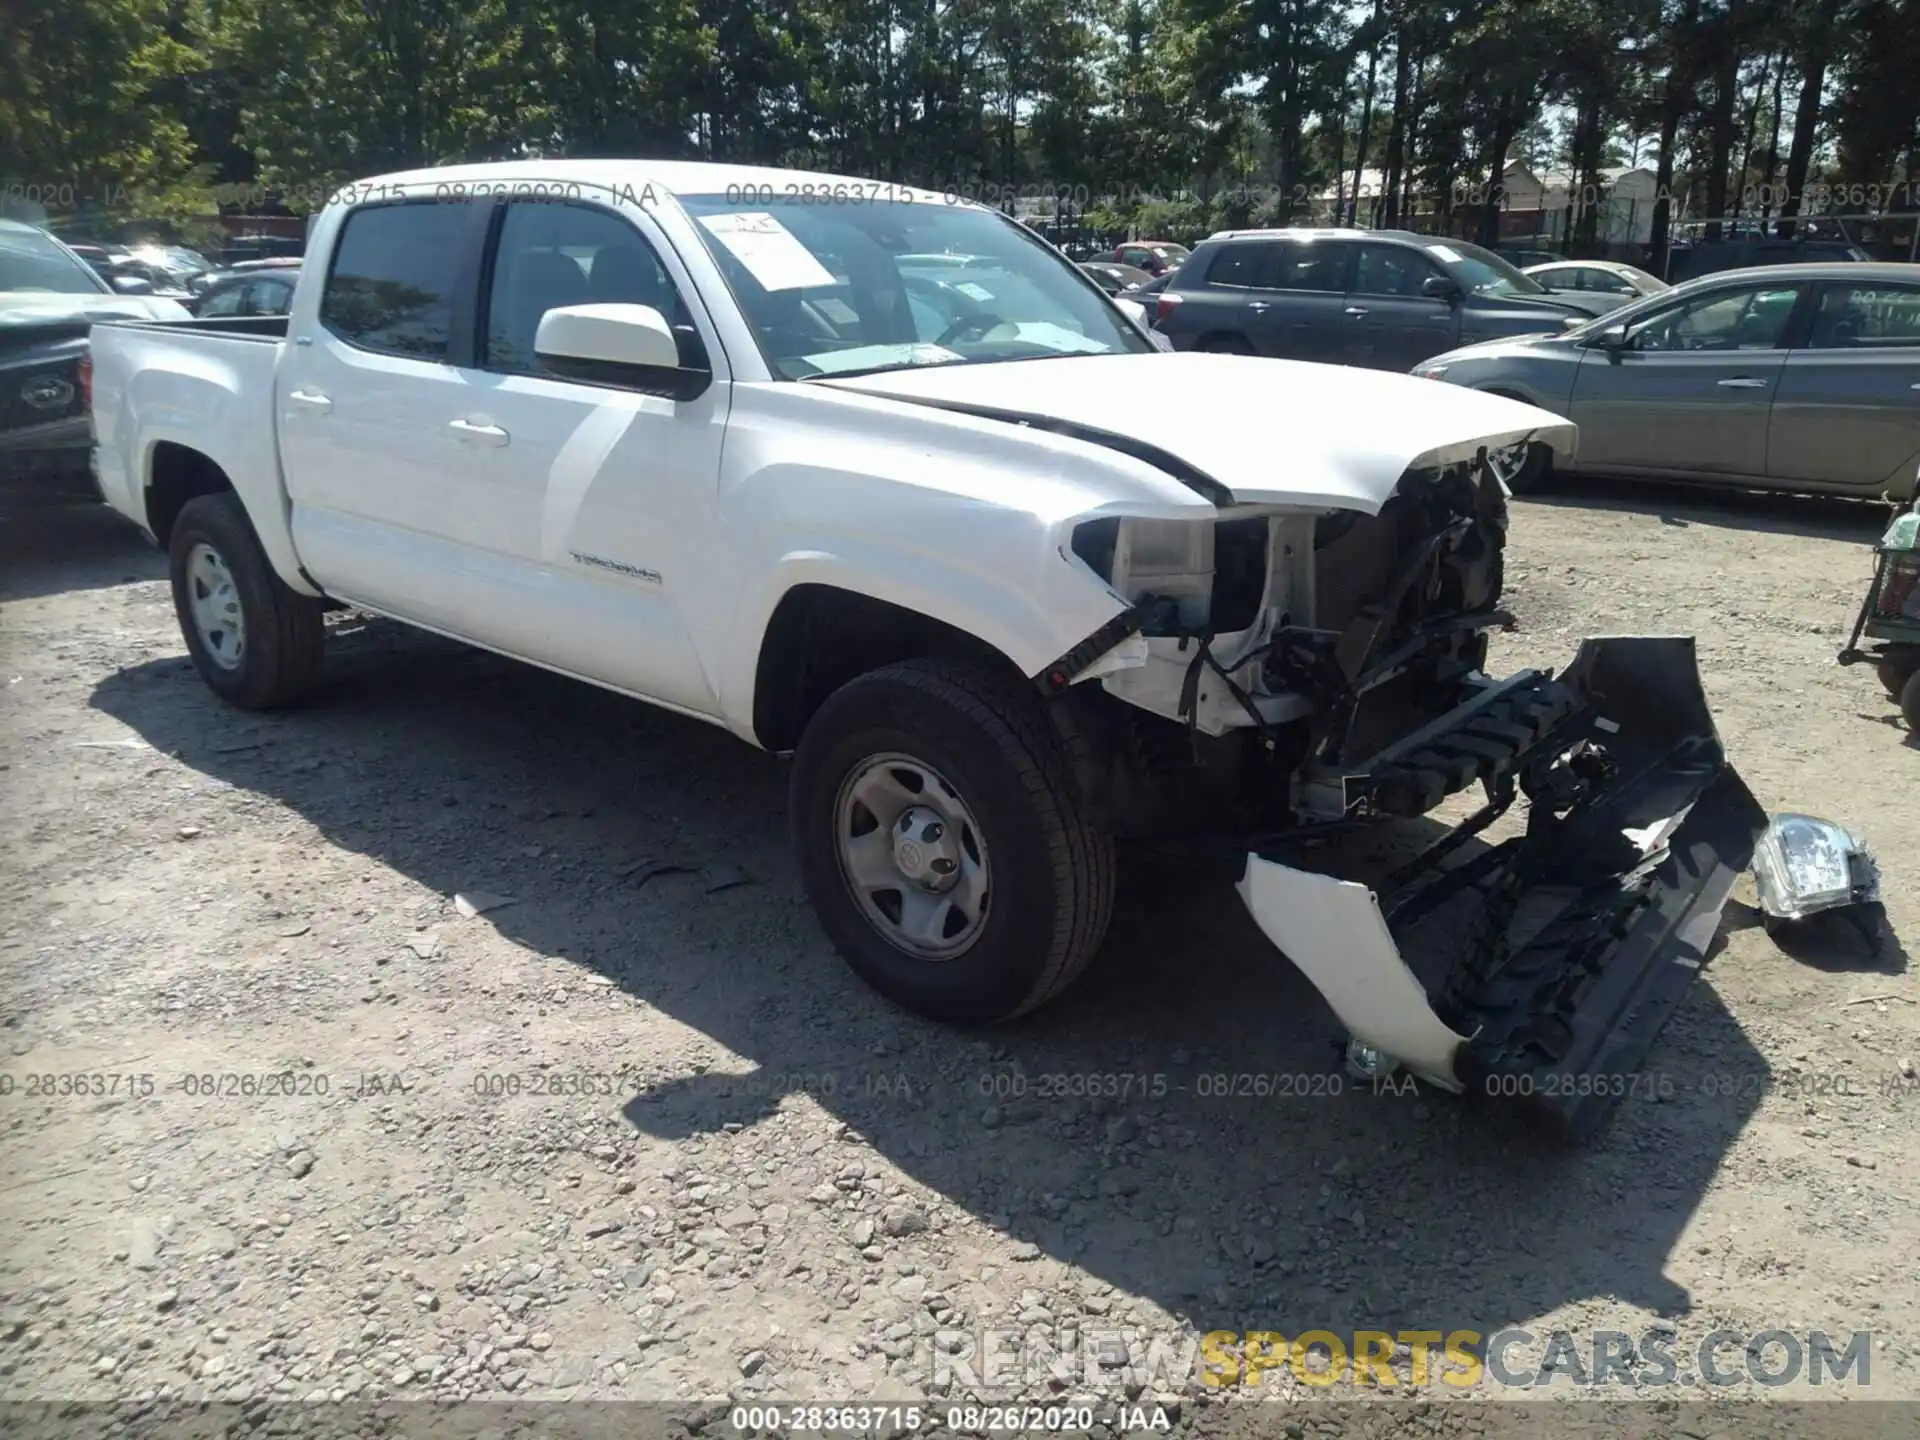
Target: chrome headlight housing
1804	865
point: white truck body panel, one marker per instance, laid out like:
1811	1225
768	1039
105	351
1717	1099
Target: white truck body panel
644	543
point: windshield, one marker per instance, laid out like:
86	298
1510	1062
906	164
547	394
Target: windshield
1482	272
30	260
846	289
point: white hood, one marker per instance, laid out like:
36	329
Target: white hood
1273	432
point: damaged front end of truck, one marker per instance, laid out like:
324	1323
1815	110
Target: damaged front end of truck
1291	672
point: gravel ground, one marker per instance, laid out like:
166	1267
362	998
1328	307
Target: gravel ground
639	1133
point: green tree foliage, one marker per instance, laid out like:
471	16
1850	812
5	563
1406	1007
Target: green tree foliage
1169	115
85	116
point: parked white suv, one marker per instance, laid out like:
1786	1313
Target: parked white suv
1008	584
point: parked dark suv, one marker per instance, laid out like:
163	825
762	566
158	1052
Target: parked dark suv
1745	252
1384	299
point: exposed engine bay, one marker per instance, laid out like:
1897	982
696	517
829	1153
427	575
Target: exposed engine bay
1282	650
1283	676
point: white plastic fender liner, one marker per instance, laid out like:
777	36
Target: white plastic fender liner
1333	931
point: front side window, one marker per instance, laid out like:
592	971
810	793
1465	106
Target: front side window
1392	270
552	255
836	289
1481	272
1867	317
391	288
1751	318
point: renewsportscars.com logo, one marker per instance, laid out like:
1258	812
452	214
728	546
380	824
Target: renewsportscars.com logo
1017	1360
1518	1359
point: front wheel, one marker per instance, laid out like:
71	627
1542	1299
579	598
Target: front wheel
255	642
943	844
1910	702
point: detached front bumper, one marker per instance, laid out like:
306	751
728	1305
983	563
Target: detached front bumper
1587	928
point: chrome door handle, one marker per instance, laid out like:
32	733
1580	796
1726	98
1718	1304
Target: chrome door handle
1264	305
312	399
1356	311
1914	386
1743	383
478	432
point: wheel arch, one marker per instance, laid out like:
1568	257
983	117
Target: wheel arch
822	635
177	473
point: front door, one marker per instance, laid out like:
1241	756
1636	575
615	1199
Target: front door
1692	390
1399	326
600	509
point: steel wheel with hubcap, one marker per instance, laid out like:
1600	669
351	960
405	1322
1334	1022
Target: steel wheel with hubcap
256	642
912	855
943	842
215	603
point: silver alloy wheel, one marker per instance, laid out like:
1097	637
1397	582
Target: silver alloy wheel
215	603
912	856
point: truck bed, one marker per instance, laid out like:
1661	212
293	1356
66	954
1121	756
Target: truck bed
271	328
204	387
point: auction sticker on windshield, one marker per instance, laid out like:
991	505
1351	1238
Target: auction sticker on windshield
769	250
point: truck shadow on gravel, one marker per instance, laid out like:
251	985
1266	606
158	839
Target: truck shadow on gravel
1178	1125
51	544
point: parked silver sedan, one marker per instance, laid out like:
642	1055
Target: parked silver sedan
1796	377
1598	277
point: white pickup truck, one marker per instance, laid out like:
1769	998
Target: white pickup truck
879	480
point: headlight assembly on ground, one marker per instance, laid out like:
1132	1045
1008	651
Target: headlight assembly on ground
1805	866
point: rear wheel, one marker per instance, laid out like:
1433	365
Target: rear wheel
256	643
943	844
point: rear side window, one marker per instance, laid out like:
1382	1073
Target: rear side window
1867	317
1238	267
393	275
1311	265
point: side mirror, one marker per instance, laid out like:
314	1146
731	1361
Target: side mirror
1439	287
131	285
1612	337
628	346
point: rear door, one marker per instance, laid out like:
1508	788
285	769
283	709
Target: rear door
1397	325
1214	292
367	390
1692	391
1299	309
1848	409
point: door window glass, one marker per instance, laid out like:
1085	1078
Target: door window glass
1311	265
393	274
1238	266
224	302
1866	317
1392	270
552	255
1747	319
